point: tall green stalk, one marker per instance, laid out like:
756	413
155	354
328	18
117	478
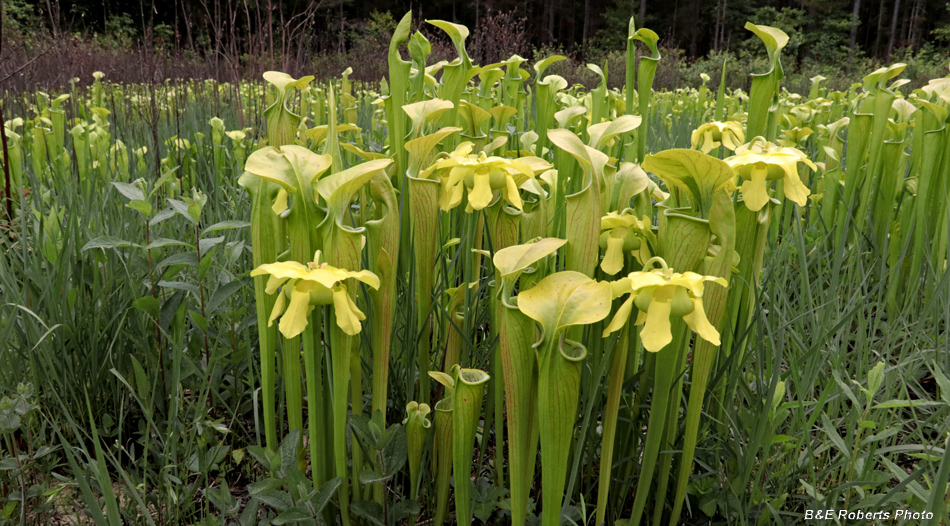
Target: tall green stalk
516	333
763	96
699	195
442	461
424	210
466	410
347	242
645	75
557	302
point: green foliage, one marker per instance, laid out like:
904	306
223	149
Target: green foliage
119	31
287	493
616	18
128	307
19	17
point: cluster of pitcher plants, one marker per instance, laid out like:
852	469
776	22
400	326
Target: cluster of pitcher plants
495	191
545	251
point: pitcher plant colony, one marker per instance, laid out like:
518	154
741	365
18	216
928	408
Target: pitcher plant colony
475	278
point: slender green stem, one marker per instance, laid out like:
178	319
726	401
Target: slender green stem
340	357
611	411
443	457
559	376
516	332
466	410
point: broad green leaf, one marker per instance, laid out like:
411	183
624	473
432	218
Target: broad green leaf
337	188
186	258
875	379
108	242
944	384
293	167
420	148
589	158
443	378
167	176
282	81
131	191
774	38
565	299
457	33
205	245
179	285
225	225
693	172
515	259
142	207
222	293
292	516
566	116
363	154
473	116
164	242
371	512
539	67
879	77
319	134
556	82
424	112
501	114
601	133
148	305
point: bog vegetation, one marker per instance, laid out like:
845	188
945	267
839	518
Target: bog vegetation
475	293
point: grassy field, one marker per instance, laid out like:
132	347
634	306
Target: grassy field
631	306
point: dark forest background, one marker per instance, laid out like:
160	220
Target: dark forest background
48	42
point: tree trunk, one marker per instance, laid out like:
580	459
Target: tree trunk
904	25
177	31
722	25
586	24
676	6
284	46
643	12
186	13
694	29
855	22
572	19
715	41
877	38
476	13
890	41
270	29
53	18
914	22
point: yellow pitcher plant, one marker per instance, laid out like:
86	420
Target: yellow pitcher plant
478	175
661	294
760	162
303	287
